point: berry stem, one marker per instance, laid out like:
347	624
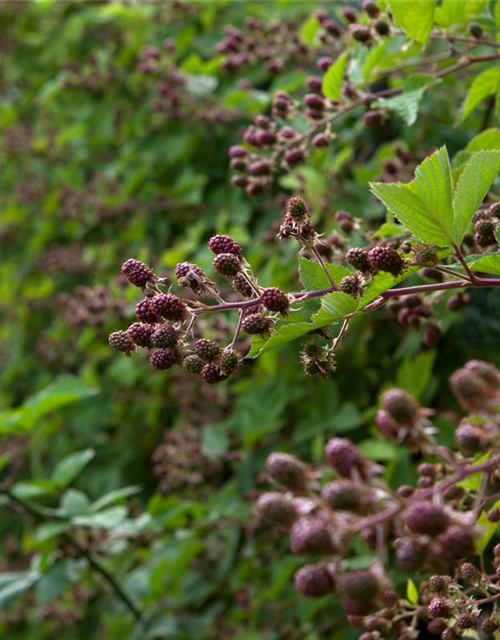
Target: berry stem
323	265
472	276
237	330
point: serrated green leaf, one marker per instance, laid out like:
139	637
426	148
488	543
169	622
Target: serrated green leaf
487	139
380	283
406	104
411	591
335	306
473	482
472	186
333	78
424	206
487	264
485	84
372	59
285	333
313	277
415	18
309	29
68	468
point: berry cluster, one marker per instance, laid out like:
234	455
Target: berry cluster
430	528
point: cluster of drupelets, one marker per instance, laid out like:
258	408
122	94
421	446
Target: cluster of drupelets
427	529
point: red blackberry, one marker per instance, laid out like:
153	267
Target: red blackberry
193	364
456	543
207	350
242	286
344	457
287	470
373	118
342	494
410	553
275	300
274	507
294	156
257	324
164	337
313	580
121	341
145	313
164	358
136	272
212	373
224	244
227	264
400	406
386	259
169	307
358	258
311	535
360	584
141	333
259	168
230	361
425	517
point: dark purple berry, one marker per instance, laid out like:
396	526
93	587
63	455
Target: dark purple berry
227	264
241	285
212	373
207	350
224	244
145	313
400	406
169	307
314	580
230	361
358	258
287	470
276	508
257	324
425	517
343	495
164	358
164	337
275	300
344	457
311	535
358	585
136	272
141	334
121	341
386	259
438	608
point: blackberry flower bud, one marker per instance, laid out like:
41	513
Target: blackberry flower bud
469	572
237	151
121	341
136	272
486	371
287	470
324	63
374	118
164	337
190	275
371	8
425	517
439	583
227	264
141	334
257	324
382	27
314	83
470	390
350	285
311	535
456	543
349	14
275	300
470	439
164	358
276	508
169	307
360	33
320	141
259	168
358	585
193	364
314	580
294	156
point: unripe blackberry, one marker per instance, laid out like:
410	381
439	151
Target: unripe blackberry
141	333
239	181
324	63
484	233
360	584
489	626
437	626
486	371
276	508
224	244
371	8
456	302
373	118
145	313
449	634
360	33
382	27
344	457
405	490
400	406
358	258
265	139
275	300
439	583
320	140
332	28
425	255
342	495
136	272
432	334
425	482
121	341
241	285
313	580
350	285
230	361
494	209
294	156
310	366
469	438
493	514
212	373
470	391
314	83
297	208
287	470
193	364
456	543
257	324
356	608
237	151
469	572
227	264
164	337
169	307
386	259
314	101
164	358
410	553
425	517
438	608
207	350
476	30
311	535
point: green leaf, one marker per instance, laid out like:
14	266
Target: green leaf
487	139
406	105
375	55
333	78
70	467
380	283
424	206
285	333
34	489
411	591
334	306
309	29
108	519
451	12
387	230
48	530
483	85
13	584
473	482
114	496
486	264
215	440
313	277
472	186
415	373
74	503
415	18
488	528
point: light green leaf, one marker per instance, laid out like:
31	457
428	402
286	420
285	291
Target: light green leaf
74	503
334	306
488	528
387	230
34	489
333	78
13	584
451	12
424	206
415	373
380	283
473	482
406	105
48	530
68	468
473	184
108	519
114	496
285	333
487	264
487	139
309	29
415	18
313	277
215	440
372	59
411	591
483	85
